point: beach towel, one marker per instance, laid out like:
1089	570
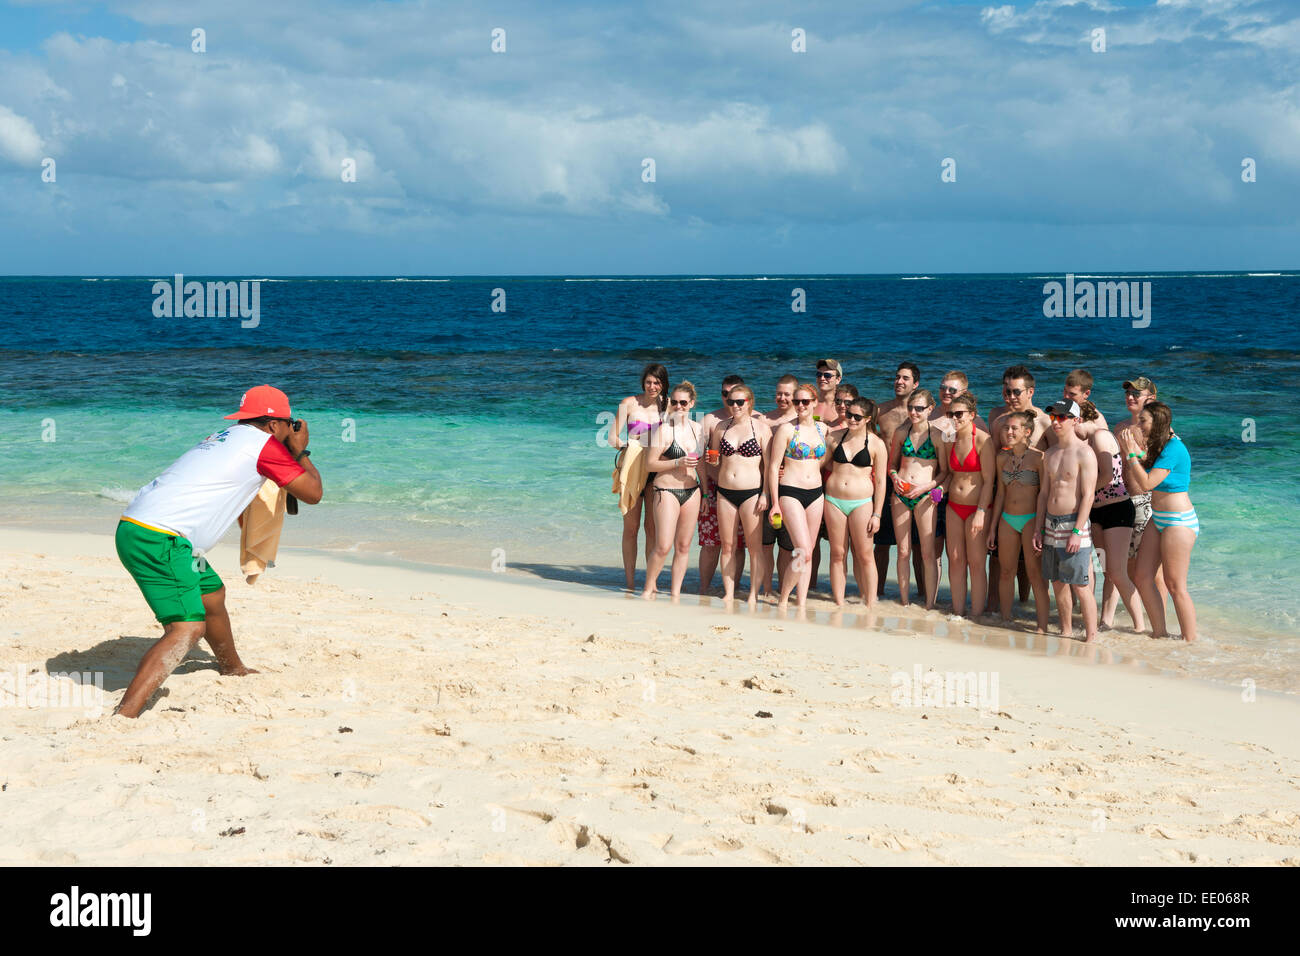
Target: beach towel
630	475
260	527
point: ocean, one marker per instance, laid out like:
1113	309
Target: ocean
452	433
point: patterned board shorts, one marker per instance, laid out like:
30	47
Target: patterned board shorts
709	535
1142	515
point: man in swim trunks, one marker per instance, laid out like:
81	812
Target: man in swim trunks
784	412
181	514
710	540
890	415
1062	529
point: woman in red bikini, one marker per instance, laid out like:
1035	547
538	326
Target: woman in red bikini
971	481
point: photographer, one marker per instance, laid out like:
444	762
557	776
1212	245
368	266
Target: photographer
183	512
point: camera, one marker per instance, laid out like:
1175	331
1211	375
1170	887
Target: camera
296	424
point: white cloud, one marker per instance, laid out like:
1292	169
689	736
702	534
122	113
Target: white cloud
19	141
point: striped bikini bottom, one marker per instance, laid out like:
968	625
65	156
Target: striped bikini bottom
1176	519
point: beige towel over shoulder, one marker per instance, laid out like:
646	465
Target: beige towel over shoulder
259	535
630	476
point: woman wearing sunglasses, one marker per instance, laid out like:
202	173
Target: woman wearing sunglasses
917	470
736	450
970	485
855	497
796	480
674	459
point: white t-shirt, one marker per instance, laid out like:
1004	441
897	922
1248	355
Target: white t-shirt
210	485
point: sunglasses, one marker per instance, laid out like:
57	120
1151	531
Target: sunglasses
825	374
841	401
803	401
1013	392
1133	393
1061	418
917	408
854	416
682	402
948	389
959	415
736	402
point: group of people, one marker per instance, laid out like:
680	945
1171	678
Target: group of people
1025	492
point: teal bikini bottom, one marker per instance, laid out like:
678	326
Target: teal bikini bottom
1018	521
848	506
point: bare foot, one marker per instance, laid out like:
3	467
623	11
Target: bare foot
238	671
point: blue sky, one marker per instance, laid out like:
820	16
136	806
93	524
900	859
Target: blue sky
530	160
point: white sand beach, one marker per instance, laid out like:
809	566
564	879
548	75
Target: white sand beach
407	716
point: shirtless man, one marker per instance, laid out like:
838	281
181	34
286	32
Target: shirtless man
1018	395
954	383
1062	530
710	543
889	416
828	378
1078	389
784	412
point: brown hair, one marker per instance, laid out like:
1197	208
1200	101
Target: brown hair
868	408
788	380
851	390
956	377
686	387
654	370
925	392
749	393
1079	378
1018	371
966	400
1026	417
1087	410
1162	429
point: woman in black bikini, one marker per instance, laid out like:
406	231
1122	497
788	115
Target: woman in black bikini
796	480
674	457
855	494
737	445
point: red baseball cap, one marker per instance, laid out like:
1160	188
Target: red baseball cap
263	400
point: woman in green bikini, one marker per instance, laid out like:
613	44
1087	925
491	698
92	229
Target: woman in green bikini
917	470
675	456
1019	474
855	497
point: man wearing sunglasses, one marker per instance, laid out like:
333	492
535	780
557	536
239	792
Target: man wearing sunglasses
176	518
1018	396
829	374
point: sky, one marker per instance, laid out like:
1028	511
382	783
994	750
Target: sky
532	160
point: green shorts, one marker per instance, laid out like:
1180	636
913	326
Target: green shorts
172	579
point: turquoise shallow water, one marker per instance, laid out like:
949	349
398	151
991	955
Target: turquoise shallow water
477	440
